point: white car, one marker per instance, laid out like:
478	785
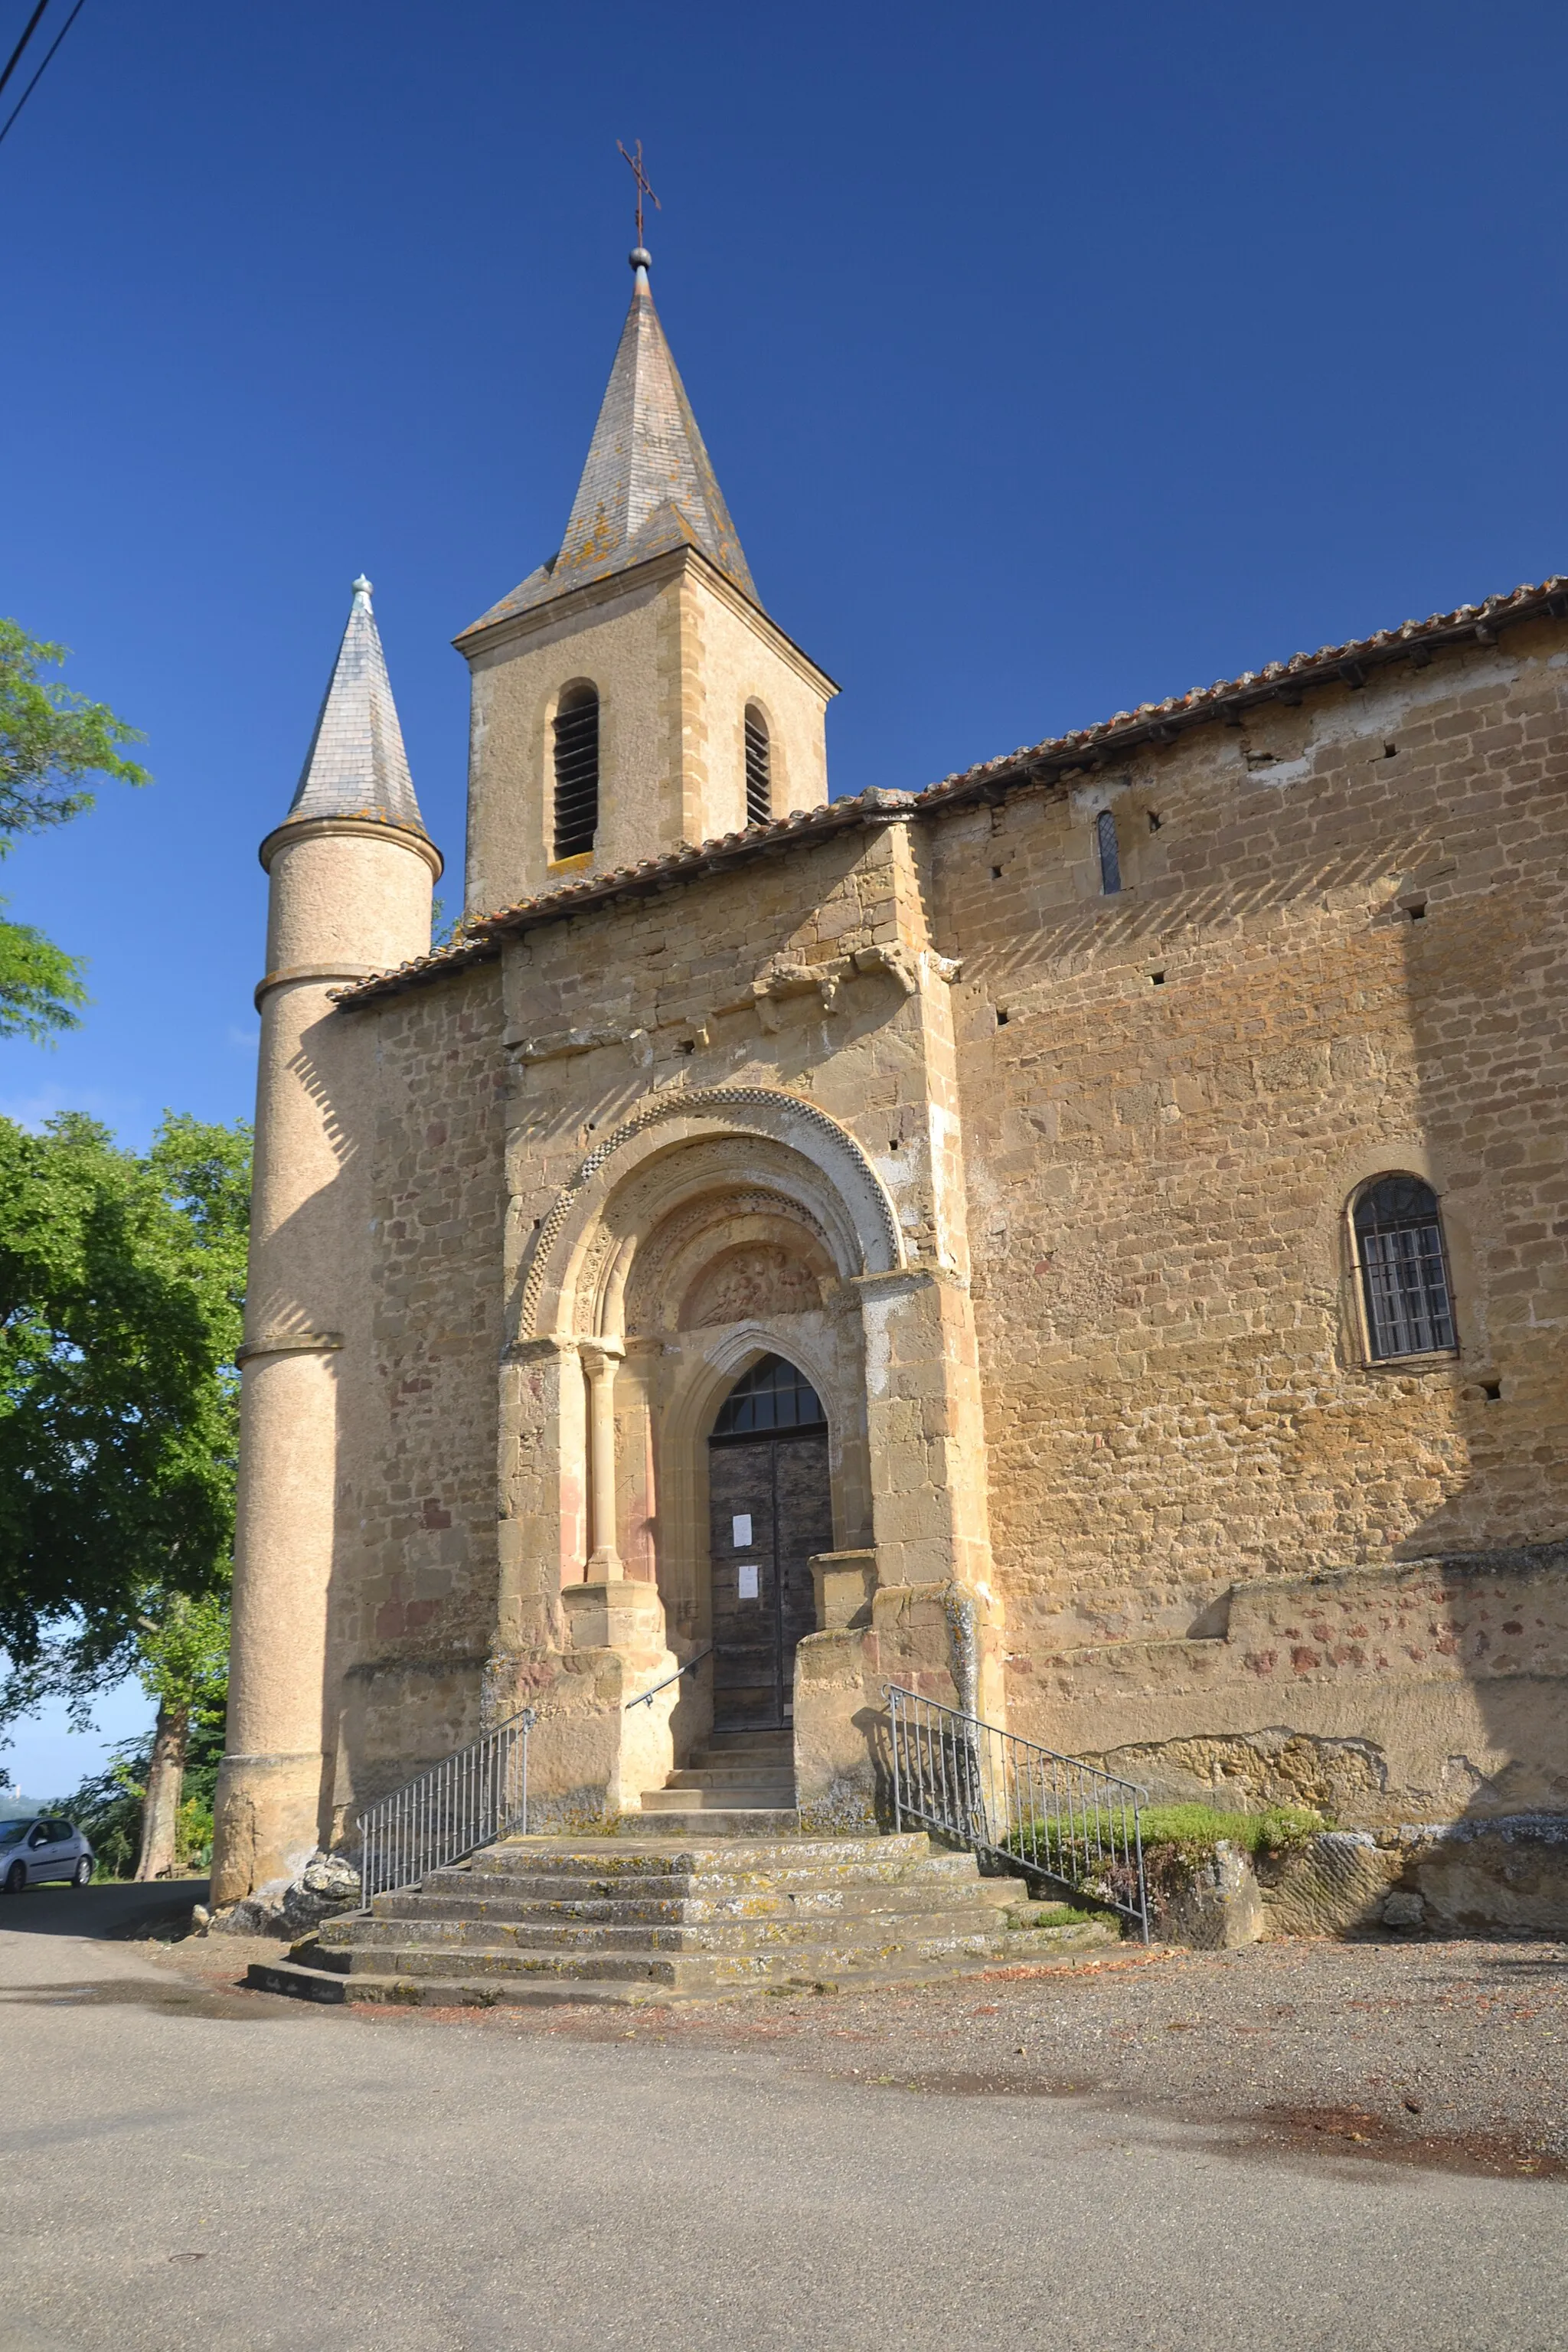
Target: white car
37	1846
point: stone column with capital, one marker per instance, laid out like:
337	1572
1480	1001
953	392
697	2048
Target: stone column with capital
578	1640
600	1358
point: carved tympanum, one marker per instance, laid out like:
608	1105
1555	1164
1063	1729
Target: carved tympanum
759	1278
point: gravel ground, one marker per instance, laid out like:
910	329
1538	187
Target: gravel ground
1450	2055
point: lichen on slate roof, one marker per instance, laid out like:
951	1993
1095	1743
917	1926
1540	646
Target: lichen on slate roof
648	484
356	765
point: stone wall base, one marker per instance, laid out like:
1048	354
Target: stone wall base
592	1750
936	1639
1430	1690
1502	1877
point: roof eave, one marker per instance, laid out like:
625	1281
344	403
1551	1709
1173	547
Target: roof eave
483	938
484	636
1157	725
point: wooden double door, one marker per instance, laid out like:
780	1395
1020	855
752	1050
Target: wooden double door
771	1509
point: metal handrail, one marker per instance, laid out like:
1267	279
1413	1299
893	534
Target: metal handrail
646	1697
1008	1797
466	1802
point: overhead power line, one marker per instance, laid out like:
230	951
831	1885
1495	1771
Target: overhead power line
15	59
48	53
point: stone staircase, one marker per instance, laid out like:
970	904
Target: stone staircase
738	1784
624	1919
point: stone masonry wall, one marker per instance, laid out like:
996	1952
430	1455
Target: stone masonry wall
413	1598
782	974
1337	952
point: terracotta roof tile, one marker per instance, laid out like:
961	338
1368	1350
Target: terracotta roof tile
1152	722
1330	664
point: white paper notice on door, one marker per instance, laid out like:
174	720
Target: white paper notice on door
747	1572
740	1526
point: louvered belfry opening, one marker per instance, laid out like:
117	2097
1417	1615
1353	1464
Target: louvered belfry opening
759	768
576	771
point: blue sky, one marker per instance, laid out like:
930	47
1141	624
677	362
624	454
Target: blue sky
1052	360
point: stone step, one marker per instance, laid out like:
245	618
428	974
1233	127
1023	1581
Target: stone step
1077	1935
1003	1943
676	1910
666	1920
712	1897
617	1940
687	1971
714	1875
778	1780
746	1747
742	1796
303	1982
665	1853
696	1820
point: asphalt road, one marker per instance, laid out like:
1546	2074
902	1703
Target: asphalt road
183	2167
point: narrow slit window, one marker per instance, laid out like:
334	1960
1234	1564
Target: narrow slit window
576	771
759	768
1404	1268
1109	855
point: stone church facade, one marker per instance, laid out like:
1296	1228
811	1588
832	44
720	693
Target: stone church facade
1085	1240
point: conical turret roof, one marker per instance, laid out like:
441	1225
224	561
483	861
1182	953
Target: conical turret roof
356	765
648	484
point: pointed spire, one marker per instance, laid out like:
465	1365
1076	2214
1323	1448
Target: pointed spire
356	765
648	484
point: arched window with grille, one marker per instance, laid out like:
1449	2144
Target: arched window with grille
1109	855
773	1396
1404	1268
759	768
576	771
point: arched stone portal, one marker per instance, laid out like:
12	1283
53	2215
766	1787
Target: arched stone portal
708	1232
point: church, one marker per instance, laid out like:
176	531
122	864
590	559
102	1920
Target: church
1083	1240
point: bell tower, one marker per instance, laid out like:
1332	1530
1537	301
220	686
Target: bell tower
632	696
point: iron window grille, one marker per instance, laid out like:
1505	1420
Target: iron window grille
577	774
759	769
771	1396
1404	1269
1110	854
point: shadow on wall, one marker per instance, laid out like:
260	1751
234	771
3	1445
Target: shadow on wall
1428	1685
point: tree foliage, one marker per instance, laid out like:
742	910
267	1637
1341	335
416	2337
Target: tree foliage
40	986
121	1288
52	738
108	1805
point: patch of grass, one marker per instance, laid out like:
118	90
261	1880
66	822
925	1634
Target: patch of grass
1176	1839
1197	1829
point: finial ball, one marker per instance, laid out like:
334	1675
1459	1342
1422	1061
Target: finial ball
641	258
362	586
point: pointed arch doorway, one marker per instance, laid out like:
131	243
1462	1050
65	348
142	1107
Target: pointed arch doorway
770	1509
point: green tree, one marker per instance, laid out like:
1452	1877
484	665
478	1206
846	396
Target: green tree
109	1805
121	1293
52	738
182	1663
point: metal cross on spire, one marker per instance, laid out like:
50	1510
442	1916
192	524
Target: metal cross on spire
644	189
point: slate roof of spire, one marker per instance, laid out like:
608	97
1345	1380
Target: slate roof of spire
356	765
648	484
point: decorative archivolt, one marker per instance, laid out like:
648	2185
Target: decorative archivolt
850	1195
